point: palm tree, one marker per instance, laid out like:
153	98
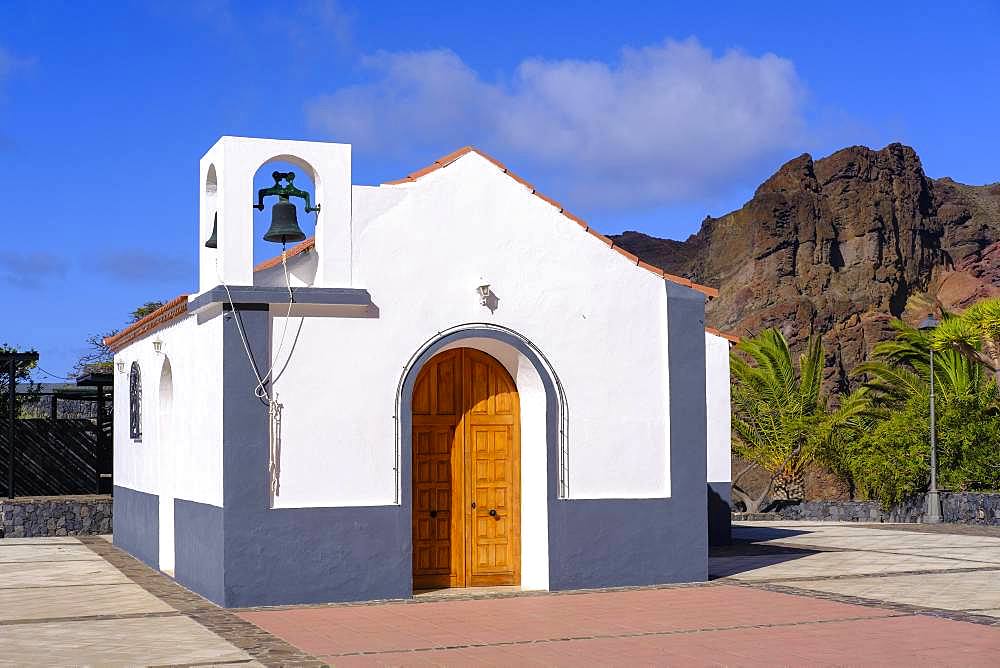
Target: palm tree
781	420
898	370
975	334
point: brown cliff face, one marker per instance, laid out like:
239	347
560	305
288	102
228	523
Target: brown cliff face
839	246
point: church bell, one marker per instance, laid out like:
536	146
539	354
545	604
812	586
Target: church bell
284	223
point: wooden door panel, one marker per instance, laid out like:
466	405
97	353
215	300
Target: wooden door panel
493	540
465	450
437	464
432	516
492	438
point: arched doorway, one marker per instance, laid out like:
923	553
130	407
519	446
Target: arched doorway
466	472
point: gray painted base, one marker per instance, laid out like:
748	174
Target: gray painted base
720	513
137	524
317	555
623	542
198	548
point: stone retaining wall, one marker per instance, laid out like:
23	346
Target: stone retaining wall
958	507
26	517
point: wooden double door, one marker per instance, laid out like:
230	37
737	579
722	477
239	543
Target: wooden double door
466	473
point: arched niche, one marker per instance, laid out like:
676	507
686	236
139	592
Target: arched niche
167	451
305	179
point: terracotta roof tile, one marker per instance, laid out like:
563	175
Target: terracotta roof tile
575	218
301	247
600	236
549	200
634	259
426	170
455	155
490	158
524	183
172	310
648	267
718	332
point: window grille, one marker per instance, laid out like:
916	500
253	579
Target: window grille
135	402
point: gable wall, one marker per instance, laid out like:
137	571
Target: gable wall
600	320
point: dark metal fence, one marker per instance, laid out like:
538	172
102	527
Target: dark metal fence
57	456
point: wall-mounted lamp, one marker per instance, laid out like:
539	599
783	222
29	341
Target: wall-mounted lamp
157	346
284	223
121	366
484	291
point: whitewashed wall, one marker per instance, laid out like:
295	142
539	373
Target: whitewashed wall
719	414
420	249
195	426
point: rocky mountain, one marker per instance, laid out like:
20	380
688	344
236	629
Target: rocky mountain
839	246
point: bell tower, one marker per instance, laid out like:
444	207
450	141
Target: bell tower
227	201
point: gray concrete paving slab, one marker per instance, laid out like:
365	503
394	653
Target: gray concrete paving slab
967	591
46	552
31	603
41	540
935	569
58	574
116	642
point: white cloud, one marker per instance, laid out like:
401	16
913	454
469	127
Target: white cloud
661	123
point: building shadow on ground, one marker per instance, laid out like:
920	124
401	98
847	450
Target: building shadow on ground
751	550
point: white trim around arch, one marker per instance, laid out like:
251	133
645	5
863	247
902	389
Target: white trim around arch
534	393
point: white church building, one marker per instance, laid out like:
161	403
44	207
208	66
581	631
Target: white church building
455	383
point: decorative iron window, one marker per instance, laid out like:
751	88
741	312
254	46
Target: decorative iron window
135	402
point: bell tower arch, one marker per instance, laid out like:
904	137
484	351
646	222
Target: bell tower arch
227	197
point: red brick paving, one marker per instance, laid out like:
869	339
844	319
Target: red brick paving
692	626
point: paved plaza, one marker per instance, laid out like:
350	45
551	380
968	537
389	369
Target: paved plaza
783	594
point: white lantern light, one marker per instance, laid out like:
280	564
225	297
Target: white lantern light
121	366
157	346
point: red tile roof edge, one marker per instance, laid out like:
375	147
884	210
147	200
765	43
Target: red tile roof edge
718	332
298	248
173	309
711	293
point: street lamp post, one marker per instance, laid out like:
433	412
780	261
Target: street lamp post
933	498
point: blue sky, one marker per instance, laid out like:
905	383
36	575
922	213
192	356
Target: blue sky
645	116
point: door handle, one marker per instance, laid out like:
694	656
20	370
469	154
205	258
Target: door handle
434	513
493	512
473	504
